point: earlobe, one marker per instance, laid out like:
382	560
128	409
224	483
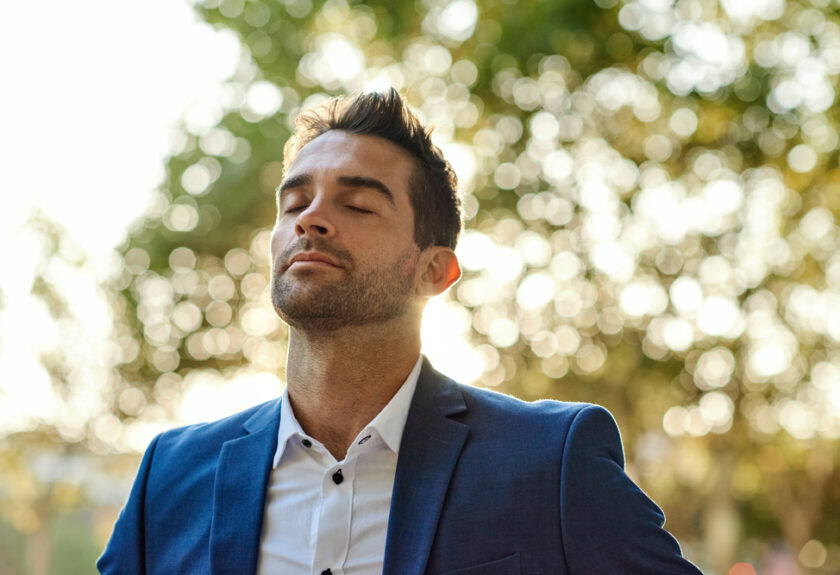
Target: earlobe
441	270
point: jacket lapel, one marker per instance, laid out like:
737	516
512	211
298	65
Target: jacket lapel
239	498
429	450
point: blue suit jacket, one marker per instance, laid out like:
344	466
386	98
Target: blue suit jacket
485	485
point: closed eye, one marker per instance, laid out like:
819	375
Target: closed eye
294	209
359	210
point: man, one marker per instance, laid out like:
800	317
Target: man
372	462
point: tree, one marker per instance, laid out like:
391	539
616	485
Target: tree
53	479
651	194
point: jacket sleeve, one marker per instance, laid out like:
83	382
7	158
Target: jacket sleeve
609	525
125	552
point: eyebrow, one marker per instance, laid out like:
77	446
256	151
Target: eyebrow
301	180
370	183
294	182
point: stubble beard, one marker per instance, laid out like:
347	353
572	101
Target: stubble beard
361	297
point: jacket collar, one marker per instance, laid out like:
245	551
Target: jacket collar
431	445
242	476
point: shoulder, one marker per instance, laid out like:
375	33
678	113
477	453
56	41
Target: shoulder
483	398
502	408
548	427
481	407
193	439
180	464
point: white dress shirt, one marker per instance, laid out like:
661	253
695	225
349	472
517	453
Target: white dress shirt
327	516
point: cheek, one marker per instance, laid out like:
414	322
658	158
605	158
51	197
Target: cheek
410	266
279	240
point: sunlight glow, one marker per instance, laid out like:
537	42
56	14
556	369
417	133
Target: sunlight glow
643	298
336	62
720	316
107	169
263	99
208	395
475	250
714	369
535	291
457	21
686	294
443	335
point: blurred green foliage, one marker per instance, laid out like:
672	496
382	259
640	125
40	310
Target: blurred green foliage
68	547
651	192
658	181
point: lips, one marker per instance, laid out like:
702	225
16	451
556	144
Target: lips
312	258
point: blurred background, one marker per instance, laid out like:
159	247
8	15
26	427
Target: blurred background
651	192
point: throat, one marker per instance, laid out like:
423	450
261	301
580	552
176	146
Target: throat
334	403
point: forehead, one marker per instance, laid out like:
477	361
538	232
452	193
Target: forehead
339	153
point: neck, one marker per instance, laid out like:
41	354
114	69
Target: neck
339	380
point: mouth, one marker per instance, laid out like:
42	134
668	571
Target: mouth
312	260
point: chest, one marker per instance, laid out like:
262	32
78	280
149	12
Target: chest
321	514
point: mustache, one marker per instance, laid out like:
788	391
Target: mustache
304	244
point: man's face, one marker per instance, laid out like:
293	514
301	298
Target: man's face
343	248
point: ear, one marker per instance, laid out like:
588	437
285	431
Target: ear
439	269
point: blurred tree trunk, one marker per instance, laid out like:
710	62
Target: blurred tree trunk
800	494
39	544
721	524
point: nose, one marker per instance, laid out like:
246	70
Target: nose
314	221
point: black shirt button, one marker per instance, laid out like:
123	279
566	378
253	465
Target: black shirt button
337	478
306	443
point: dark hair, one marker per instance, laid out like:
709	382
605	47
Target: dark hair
433	186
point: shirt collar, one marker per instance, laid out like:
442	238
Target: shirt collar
289	427
388	423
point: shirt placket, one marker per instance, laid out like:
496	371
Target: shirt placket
334	516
